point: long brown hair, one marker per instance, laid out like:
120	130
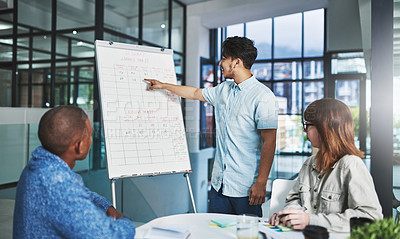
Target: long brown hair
335	126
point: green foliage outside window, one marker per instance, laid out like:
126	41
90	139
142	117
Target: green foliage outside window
355	112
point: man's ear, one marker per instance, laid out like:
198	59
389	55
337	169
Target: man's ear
78	146
238	62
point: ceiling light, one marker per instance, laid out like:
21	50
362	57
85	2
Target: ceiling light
163	26
74	32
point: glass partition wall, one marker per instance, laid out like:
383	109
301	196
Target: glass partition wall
47	49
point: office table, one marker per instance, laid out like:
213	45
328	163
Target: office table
199	225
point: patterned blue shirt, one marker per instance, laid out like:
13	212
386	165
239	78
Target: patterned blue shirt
240	112
53	202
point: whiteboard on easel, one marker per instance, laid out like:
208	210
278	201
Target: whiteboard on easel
143	130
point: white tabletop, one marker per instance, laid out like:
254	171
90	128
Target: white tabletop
199	225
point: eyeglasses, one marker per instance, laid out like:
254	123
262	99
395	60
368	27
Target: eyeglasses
306	125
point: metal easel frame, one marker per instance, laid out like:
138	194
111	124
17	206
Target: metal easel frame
185	174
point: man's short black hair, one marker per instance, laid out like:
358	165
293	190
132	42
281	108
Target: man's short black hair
59	127
240	47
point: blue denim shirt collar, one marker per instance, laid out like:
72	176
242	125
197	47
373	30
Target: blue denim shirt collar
246	83
41	154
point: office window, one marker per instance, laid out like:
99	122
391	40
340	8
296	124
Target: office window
235	30
314	33
312	91
219	36
291	63
207	125
41	46
23	54
287	37
5	88
261	33
122	16
23	79
85	96
115	38
62	47
82	49
262	71
288	95
178	62
6	28
348	92
313	69
75	14
177	27
37	95
6	50
290	135
350	83
352	62
155	22
287	70
35	13
23	49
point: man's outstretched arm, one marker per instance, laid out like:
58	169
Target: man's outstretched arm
188	92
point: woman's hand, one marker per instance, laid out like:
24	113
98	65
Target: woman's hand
295	218
274	220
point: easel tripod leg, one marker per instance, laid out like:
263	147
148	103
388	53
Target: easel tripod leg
113	193
190	192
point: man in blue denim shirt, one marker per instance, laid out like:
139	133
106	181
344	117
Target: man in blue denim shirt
246	118
52	200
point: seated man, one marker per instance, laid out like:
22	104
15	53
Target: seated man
52	200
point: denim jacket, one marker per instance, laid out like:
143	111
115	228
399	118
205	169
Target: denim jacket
331	199
53	202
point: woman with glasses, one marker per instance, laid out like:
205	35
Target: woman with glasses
333	185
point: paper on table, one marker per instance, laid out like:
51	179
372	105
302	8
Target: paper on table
168	231
224	221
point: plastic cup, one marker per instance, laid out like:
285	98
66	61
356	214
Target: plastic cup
315	232
247	227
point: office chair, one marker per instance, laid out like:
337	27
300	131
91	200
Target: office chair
280	189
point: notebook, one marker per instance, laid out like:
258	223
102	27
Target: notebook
168	231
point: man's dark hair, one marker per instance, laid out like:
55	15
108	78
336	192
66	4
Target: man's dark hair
240	47
59	127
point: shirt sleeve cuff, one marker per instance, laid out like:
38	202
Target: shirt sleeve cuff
267	124
205	93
